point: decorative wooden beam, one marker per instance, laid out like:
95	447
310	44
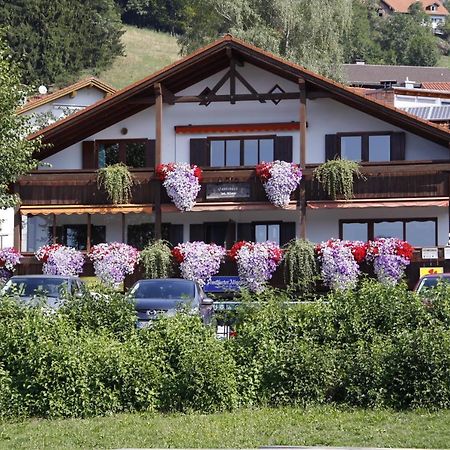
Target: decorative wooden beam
248	86
215	89
54	229
232	81
168	96
17	230
238	97
89	233
313	95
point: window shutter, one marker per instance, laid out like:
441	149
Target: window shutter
150	153
175	234
89	156
398	146
283	148
245	232
287	232
199	152
196	232
230	237
331	147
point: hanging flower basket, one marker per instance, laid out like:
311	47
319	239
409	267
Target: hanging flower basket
112	262
182	182
390	258
256	262
9	259
339	262
198	261
279	179
60	260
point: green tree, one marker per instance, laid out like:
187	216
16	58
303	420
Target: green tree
408	38
16	152
54	41
304	31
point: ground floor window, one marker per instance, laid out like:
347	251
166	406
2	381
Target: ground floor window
76	235
139	235
420	232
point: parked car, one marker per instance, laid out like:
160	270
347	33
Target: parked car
29	288
166	296
431	281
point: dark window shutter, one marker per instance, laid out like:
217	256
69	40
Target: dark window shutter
175	234
230	237
150	153
199	152
331	147
196	232
90	159
244	232
287	232
283	148
398	146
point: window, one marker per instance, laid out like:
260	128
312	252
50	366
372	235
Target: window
141	234
418	232
267	232
133	153
76	235
365	147
241	152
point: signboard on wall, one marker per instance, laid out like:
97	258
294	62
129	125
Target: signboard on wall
430	271
223	284
222	191
430	253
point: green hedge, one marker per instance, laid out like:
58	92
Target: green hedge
375	346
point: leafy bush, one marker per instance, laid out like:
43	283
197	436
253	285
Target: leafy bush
156	259
117	181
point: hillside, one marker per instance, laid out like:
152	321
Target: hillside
146	51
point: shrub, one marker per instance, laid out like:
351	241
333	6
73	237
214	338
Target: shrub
156	259
117	182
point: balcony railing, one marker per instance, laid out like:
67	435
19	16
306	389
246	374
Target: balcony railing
79	187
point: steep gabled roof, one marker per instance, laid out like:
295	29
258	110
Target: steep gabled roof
401	6
202	64
85	83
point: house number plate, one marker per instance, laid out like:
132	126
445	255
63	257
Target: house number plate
219	191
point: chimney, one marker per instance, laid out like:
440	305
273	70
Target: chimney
409	84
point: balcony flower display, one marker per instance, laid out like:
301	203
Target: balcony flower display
112	262
182	182
339	262
256	262
9	259
279	179
198	261
60	260
390	258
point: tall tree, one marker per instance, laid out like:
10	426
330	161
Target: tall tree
305	31
53	41
16	152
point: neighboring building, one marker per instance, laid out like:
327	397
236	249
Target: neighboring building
225	108
434	8
48	108
377	76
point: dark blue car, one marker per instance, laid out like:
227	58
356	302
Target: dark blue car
166	296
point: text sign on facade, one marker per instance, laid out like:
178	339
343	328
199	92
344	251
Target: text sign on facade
219	191
223	284
430	253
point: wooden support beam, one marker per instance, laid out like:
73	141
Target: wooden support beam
237	97
313	95
232	81
168	96
302	120
54	228
123	223
89	233
248	86
158	148
215	89
17	230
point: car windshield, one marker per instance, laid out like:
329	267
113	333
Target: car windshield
433	282
27	287
165	289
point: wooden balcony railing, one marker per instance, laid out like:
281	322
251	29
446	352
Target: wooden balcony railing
79	187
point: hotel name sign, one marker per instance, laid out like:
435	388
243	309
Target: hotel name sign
222	191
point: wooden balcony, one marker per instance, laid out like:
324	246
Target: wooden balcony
79	187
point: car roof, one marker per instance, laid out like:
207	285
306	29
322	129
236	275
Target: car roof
58	277
436	275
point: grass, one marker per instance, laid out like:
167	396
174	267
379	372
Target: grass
444	61
146	51
242	429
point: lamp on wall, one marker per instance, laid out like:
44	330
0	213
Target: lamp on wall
124	131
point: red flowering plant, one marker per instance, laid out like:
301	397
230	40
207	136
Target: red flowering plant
43	253
182	182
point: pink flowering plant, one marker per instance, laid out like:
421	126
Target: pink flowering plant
390	258
199	261
112	262
182	182
60	260
256	262
339	266
279	179
9	259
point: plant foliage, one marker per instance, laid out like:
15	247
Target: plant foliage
336	176
156	259
117	181
300	265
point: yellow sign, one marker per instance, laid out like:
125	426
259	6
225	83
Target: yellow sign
430	271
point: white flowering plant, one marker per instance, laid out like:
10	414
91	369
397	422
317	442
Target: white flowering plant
182	182
279	179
